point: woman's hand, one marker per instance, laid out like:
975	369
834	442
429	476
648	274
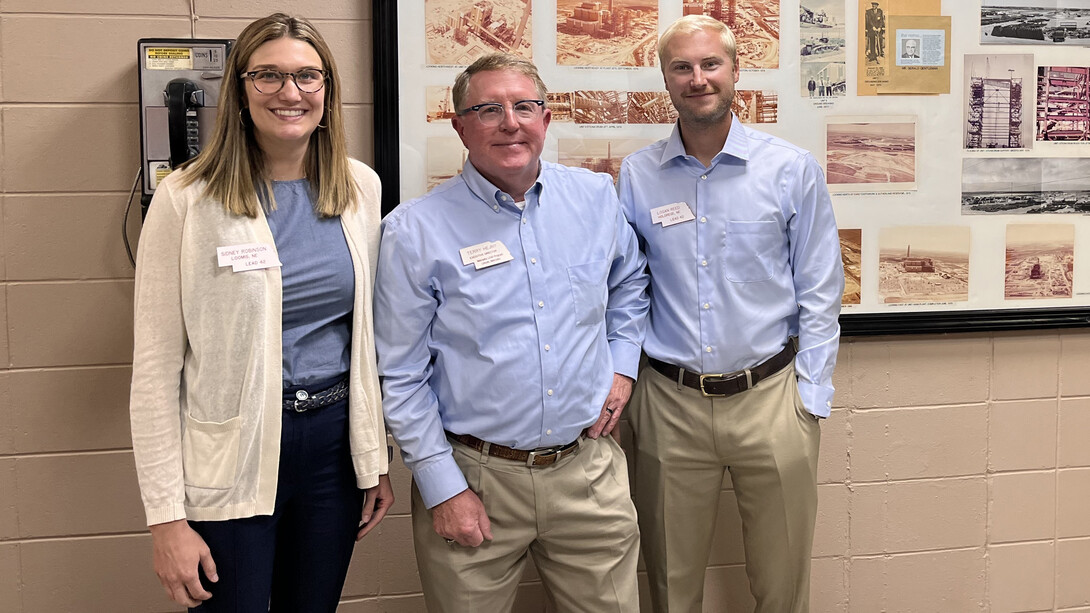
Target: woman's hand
178	550
378	501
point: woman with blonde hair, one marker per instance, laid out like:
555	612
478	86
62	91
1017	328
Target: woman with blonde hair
256	416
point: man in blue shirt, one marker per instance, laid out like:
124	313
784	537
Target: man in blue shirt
509	312
744	257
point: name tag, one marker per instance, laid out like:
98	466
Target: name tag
251	256
670	214
483	255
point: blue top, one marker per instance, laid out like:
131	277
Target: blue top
758	263
519	353
318	286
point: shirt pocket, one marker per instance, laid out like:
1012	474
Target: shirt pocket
210	452
749	250
589	292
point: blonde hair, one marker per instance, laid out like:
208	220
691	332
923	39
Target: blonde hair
691	24
233	164
492	62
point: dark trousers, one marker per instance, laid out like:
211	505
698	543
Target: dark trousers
296	559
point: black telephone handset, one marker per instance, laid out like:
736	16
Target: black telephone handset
183	98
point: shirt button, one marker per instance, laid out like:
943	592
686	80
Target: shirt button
708	349
549	431
533	260
523	220
550	392
495	207
547	347
703	220
703	262
504	198
703	177
707	306
541	304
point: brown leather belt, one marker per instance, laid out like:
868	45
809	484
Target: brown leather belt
728	383
542	456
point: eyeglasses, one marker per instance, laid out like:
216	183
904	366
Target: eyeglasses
308	80
492	113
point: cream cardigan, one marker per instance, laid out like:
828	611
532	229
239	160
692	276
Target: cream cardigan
206	398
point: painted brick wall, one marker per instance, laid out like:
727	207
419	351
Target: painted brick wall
955	470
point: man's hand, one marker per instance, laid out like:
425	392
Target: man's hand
376	503
462	519
612	408
178	550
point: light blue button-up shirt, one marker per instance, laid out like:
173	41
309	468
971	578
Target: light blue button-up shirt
520	353
758	263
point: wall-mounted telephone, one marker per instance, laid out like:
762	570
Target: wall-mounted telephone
180	80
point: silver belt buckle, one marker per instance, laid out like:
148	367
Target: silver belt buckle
540	454
300	396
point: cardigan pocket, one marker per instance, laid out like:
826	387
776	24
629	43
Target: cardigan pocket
210	452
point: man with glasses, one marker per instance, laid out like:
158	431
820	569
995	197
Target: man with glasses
509	309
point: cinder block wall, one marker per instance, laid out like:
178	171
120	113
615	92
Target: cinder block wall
955	471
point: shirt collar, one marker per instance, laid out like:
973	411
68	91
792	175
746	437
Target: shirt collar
737	144
493	196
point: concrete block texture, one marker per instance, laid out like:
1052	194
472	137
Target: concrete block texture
946	581
1021	576
1022	434
919	442
1074	433
1072	562
1075	363
1026	366
924	370
1021	506
1073	500
918	515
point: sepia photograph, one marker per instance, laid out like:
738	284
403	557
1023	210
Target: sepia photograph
877	154
1040	261
457	32
439	105
756	106
1028	22
651	107
607	33
755	24
851	255
822	55
600	106
598	154
1022	186
1063	103
446	156
996	107
923	264
561	105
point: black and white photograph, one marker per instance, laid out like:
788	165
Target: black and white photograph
997	105
1021	186
822	55
1025	22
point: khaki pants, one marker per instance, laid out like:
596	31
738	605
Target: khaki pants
575	518
769	443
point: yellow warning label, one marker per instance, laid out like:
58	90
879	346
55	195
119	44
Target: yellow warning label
159	171
168	58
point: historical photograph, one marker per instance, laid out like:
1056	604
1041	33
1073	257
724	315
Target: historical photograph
600	106
598	154
561	105
874	32
1063	103
607	33
440	107
1018	186
870	155
822	55
923	264
446	156
755	23
457	32
1040	261
1025	22
756	106
995	104
651	107
851	255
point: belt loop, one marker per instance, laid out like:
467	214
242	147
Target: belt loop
749	379
680	378
484	452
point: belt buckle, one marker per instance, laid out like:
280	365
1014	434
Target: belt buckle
300	396
548	453
724	377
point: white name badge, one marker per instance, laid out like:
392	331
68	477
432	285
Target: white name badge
250	256
670	214
483	255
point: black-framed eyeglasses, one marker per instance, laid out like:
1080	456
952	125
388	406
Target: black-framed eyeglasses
491	113
308	80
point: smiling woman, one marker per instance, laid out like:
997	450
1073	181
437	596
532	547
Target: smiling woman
256	418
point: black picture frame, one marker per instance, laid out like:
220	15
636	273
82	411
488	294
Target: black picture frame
387	165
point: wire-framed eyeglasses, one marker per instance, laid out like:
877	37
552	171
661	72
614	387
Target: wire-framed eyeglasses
492	113
266	81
